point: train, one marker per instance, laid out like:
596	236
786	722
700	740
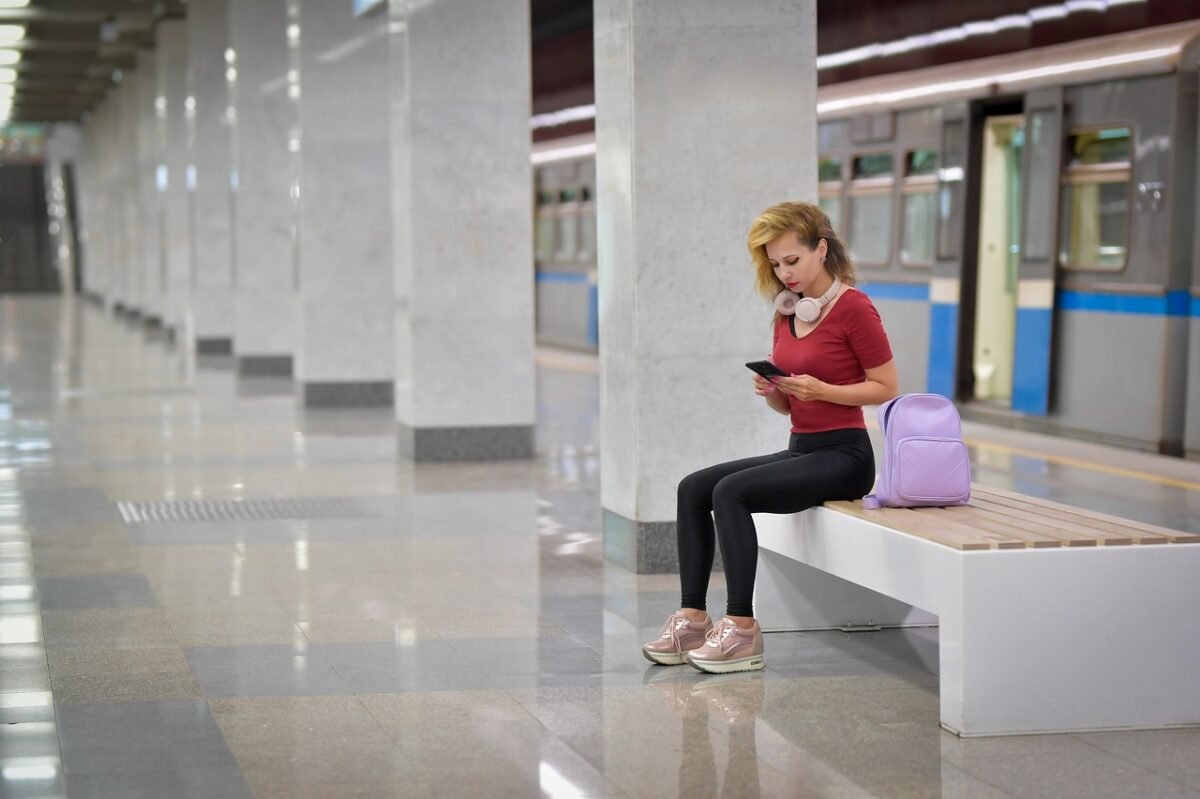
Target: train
1025	224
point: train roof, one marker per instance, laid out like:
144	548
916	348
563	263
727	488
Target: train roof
1147	51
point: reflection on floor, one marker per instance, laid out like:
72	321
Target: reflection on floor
383	629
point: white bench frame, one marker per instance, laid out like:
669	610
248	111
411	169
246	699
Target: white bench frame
1030	640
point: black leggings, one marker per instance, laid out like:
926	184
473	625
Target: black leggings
815	468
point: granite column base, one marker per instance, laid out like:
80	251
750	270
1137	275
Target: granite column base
264	366
444	444
347	394
644	547
220	345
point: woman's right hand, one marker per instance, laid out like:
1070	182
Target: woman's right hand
762	386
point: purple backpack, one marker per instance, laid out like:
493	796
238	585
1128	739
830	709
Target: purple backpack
925	461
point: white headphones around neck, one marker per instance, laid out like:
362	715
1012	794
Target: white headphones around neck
806	309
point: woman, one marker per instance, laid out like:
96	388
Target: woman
838	359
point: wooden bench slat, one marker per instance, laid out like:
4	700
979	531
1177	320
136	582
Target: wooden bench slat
947	533
1102	533
1067	534
974	517
1150	533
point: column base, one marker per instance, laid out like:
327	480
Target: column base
264	366
641	547
217	345
644	547
346	395
466	443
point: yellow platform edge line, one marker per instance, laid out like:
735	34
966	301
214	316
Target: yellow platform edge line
1136	474
1082	464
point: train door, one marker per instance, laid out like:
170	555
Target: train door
994	339
1037	268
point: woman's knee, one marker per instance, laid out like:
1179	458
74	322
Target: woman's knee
728	492
696	487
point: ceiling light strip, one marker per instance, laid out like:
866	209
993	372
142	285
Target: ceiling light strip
960	32
973	84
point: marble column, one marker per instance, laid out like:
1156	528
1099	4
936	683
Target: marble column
133	290
110	209
95	224
151	255
173	177
211	158
345	352
463	221
264	121
63	148
705	115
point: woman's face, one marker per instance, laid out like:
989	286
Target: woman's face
794	263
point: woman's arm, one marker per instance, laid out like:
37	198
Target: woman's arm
779	401
774	397
881	385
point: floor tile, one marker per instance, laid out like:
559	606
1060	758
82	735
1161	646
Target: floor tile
95	591
270	670
173	748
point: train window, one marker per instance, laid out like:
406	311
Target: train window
1094	227
829	169
587	225
1095	224
567	238
832	206
875	165
870	209
920	207
1107	146
544	237
921	162
871	228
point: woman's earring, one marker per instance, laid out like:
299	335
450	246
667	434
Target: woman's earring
822	259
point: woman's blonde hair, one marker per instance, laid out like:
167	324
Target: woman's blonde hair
810	224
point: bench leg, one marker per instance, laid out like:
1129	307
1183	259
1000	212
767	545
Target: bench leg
1073	639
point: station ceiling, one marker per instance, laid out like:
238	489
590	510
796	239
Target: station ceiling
74	49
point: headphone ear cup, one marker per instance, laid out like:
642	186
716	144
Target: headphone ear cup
785	302
808	309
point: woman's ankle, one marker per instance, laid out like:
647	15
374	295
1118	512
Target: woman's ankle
694	615
743	622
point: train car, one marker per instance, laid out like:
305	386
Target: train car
1025	223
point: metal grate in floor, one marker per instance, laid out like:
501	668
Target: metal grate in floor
235	510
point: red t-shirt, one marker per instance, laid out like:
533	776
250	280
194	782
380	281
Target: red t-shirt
847	342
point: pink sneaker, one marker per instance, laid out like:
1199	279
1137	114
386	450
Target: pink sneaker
729	648
679	636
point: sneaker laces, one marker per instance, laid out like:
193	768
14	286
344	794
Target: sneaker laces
675	623
717	635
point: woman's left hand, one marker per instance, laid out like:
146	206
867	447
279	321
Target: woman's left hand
805	388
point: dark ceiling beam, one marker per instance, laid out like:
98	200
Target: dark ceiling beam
31	84
566	22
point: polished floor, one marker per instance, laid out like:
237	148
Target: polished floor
369	627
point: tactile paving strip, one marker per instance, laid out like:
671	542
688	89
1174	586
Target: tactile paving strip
216	510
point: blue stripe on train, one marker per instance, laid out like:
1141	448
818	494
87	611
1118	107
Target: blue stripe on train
1173	303
943	348
1031	361
593	324
561	277
896	291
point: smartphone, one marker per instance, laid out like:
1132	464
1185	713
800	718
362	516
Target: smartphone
766	369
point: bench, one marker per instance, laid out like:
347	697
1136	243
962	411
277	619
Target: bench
1051	618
